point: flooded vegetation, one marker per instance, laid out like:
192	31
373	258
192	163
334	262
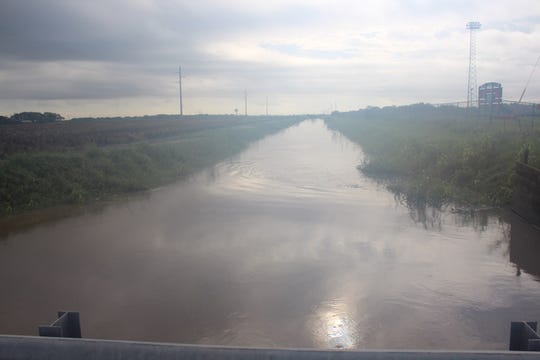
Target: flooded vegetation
286	244
441	155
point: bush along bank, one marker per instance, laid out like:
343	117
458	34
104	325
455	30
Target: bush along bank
433	156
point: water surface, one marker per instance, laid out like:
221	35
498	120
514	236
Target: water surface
285	245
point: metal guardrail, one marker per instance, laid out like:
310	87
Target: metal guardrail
62	340
68	324
28	347
524	336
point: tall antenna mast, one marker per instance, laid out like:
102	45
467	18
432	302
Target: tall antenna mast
472	95
180	89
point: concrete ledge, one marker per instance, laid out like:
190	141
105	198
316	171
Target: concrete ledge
30	347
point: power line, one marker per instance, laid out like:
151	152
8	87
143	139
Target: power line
529	79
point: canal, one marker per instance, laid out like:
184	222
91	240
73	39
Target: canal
285	245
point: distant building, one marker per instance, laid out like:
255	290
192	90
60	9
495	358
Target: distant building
490	94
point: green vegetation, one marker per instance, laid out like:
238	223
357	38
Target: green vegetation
32	117
32	178
436	156
80	133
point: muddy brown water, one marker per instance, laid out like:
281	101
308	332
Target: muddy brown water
284	245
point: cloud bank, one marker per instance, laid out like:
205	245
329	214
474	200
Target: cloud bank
121	57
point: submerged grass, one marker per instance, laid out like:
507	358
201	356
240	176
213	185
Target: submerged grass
437	156
35	180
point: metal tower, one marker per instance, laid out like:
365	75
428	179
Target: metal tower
180	89
472	91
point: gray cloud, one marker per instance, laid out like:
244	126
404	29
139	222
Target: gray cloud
297	52
67	30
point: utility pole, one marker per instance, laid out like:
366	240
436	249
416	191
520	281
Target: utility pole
267	106
180	89
472	91
245	102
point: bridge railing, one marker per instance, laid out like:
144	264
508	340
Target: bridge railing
28	347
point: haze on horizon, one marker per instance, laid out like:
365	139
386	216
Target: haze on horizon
120	57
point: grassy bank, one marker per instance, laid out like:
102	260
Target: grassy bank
436	156
77	173
81	133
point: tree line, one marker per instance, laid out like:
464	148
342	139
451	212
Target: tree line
31	117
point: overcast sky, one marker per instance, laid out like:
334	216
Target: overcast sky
121	57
